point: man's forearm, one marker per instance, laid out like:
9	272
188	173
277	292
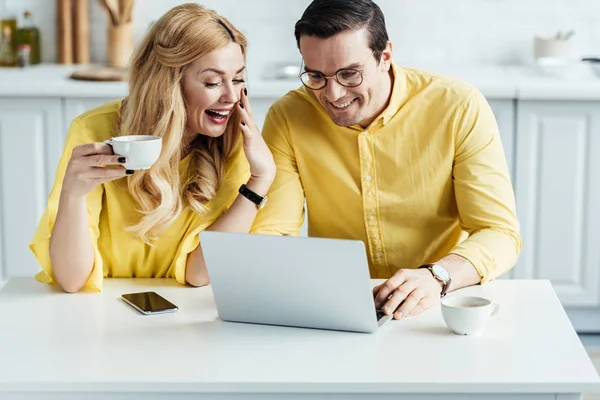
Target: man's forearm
462	272
492	252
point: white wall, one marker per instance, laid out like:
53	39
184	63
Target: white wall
423	31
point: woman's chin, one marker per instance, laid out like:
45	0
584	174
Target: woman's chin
211	131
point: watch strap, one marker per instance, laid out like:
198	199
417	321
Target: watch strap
251	195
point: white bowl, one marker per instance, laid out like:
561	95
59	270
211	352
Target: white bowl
556	67
565	68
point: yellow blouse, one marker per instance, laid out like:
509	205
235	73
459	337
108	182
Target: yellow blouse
118	253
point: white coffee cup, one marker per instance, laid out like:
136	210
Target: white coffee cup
468	315
141	151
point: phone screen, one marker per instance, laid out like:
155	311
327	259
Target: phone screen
149	302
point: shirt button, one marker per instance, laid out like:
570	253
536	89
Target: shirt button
368	177
377	255
372	217
365	133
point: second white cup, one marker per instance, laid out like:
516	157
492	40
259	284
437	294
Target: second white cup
468	315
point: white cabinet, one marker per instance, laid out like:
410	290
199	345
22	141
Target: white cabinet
558	197
30	147
504	111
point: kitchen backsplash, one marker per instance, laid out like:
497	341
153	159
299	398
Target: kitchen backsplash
423	32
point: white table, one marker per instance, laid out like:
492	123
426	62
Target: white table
55	345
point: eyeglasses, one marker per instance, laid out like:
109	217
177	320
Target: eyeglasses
348	77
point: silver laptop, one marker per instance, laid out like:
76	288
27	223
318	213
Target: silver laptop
291	281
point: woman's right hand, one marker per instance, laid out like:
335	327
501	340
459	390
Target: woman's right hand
88	168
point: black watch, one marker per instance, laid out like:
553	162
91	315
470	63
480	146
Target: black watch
257	199
441	274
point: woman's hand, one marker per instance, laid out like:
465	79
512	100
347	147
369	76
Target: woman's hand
87	168
262	166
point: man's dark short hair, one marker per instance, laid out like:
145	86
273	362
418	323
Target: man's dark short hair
326	18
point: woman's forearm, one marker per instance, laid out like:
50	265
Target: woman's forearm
238	218
71	251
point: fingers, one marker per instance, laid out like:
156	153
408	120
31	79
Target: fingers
409	304
98	164
246	103
423	305
107	173
96	154
245	113
376	290
397	297
246	129
103	175
388	287
97	160
92	148
406	293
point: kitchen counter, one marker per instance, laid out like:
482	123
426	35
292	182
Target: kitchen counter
52	80
495	82
59	345
531	85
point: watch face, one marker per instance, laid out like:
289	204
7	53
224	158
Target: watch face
440	272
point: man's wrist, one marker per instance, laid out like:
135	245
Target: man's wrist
440	274
440	283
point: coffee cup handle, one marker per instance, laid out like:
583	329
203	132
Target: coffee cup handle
495	309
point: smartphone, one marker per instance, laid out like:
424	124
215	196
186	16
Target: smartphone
149	303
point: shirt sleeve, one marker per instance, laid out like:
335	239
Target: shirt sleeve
40	244
283	213
237	173
484	193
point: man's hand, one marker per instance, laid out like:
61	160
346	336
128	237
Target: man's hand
417	288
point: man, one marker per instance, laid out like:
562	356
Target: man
409	162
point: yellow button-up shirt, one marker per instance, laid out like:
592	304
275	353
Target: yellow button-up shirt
428	177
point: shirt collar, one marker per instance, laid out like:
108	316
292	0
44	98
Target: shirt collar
399	94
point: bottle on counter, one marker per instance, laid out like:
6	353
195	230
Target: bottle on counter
28	41
8	42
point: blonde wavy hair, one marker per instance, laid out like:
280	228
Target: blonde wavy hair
156	106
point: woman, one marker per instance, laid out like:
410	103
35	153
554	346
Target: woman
186	86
